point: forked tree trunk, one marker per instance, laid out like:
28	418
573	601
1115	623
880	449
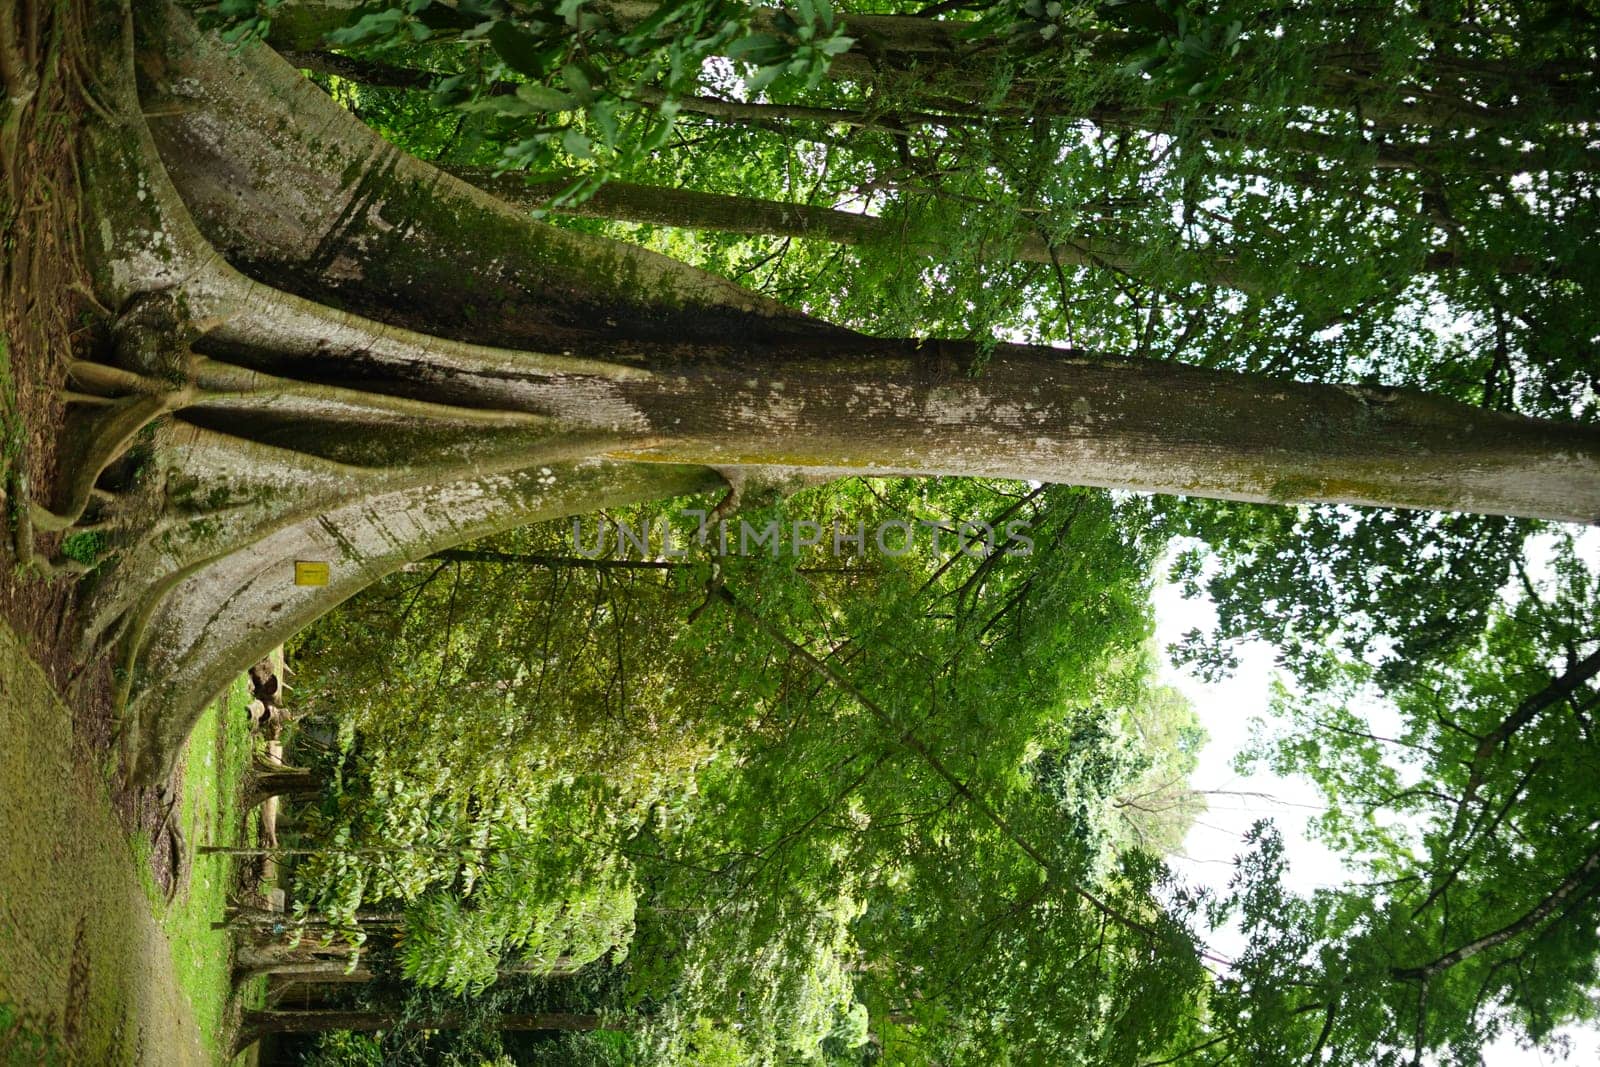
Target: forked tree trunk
349	357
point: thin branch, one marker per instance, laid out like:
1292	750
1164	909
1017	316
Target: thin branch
1570	885
915	745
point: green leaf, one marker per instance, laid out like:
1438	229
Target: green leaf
452	90
657	134
577	144
521	51
603	113
1141	15
443	17
578	81
368	27
661	16
762	77
544	98
758	48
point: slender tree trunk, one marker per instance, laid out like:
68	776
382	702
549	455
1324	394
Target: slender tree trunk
628	202
1446	90
689	209
541	559
937	105
339	971
258	1024
308	972
297	784
315	1022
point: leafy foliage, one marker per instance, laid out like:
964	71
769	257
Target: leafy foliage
1473	822
607	761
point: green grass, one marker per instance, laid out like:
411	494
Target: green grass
20	1045
216	764
86	548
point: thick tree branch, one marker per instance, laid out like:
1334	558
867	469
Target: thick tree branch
1559	689
1577	885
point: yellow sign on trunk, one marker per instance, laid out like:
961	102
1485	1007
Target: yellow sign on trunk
310	572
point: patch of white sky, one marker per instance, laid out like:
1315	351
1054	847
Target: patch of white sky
1234	711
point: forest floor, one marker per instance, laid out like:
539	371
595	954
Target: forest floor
96	966
86	975
107	955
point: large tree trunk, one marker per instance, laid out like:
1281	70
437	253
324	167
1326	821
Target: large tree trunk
348	356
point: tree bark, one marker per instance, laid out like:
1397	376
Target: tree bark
350	357
258	1024
292	783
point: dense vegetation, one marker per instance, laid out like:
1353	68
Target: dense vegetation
914	807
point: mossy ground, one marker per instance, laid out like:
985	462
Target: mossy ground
95	966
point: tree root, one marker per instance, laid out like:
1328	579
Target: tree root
109	436
175	842
20	504
61	567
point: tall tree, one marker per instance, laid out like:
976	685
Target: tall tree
322	348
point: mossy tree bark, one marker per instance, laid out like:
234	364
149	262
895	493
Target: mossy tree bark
326	349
